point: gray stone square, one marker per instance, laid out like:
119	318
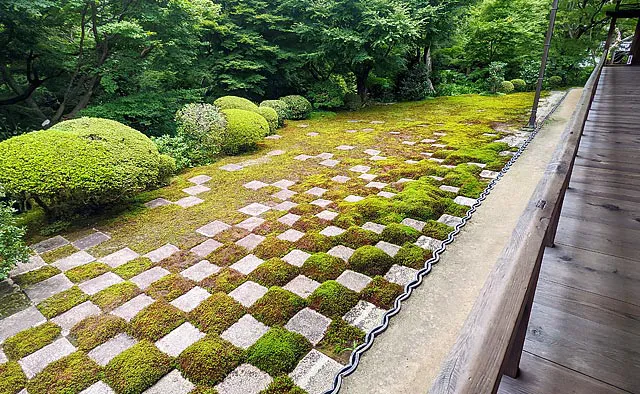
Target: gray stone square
368	129
368	177
377	185
411	143
434	159
49	244
254	209
251	241
303	157
179	339
377	122
146	278
122	256
428	243
413	223
437	178
200	270
375	227
20	321
248	293
479	165
313	134
325	156
377	158
37	361
315	372
345	147
90	240
410	161
277	152
341	179
386	194
327	215
75	260
353	280
283	183
245	332
42	290
196	189
489	174
232	167
428	141
104	353
448	166
92	286
98	387
450	220
388	248
427	154
131	308
351	131
285	206
302	286
171	383
464	201
310	324
191	299
189	201
246	379
251	223
255	185
440	146
75	315
162	253
364	315
372	152
200	179
158	202
212	229
404	180
296	257
284	194
316	191
206	248
303	125
352	198
360	168
332	231
341	251
289	219
450	189
247	264
321	202
439	134
34	263
291	235
400	275
329	163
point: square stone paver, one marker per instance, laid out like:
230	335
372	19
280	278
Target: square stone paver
171	383
200	179
327	215
325	156
316	191
285	206
251	223
206	248
248	293
368	129
251	241
341	251
303	157
450	220
464	201
401	275
332	231
372	152
440	146
200	270
246	379
146	278
291	235
232	167
247	264
289	219
212	229
375	227
479	165
340	179
191	299
313	134
386	194
283	183
353	280
98	387
91	240
360	168
110	349
428	243
49	244
428	141
284	194
162	253
436	160
130	309
329	163
75	260
345	147
254	209
122	256
377	185
404	180
32	264
315	372
179	339
42	290
411	161
377	158
75	315
310	324
92	286
157	202
450	189
388	248
411	143
26	318
196	189
321	202
37	361
277	152
302	286
352	198
413	223
296	257
364	315
190	201
368	177
245	332
488	174
255	185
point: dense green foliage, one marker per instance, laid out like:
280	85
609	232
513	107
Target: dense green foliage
234	102
281	108
12	248
299	107
244	130
278	351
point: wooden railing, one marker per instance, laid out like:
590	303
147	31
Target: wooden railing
490	343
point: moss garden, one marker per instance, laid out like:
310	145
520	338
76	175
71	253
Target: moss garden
241	269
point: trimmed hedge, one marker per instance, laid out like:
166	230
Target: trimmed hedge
271	116
79	163
506	87
244	130
235	102
519	84
281	108
299	106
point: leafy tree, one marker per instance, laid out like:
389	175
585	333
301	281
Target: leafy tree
12	248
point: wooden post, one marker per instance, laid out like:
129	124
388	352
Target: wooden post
612	27
635	47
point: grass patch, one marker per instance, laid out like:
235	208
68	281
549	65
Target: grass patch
217	313
274	272
226	280
87	271
208	361
114	296
371	261
12	379
137	368
322	267
33	277
332	299
340	340
278	351
277	306
57	254
30	340
71	374
381	292
96	330
134	267
170	287
156	321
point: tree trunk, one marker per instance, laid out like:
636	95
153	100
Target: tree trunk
361	82
429	63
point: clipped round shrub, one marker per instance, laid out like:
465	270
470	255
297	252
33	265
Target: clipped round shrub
371	261
271	116
84	162
352	101
235	102
506	87
519	85
299	107
400	234
281	108
555	81
244	130
333	299
278	351
208	361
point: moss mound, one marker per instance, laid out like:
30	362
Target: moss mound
278	351
217	313
283	385
371	261
114	296
30	340
400	234
137	368
62	302
170	287
413	256
208	361
133	268
322	267
156	321
225	281
274	272
87	271
12	379
381	292
71	374
277	306
332	299
356	237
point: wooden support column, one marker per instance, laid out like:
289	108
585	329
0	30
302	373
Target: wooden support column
635	47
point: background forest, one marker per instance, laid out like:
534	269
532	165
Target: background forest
139	61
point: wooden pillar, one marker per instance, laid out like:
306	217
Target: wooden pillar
635	47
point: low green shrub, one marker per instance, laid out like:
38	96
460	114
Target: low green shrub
283	385
333	299
371	261
519	85
277	306
274	272
12	379
399	234
278	351
244	130
156	321
208	361
12	247
281	108
137	368
217	313
415	84
381	293
30	340
299	107
271	116
114	296
62	302
506	87
555	81
235	102
70	374
328	94
81	163
96	330
323	266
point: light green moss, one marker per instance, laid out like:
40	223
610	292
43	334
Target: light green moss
71	374
278	351
137	368
86	272
62	302
114	296
96	330
30	340
12	379
134	267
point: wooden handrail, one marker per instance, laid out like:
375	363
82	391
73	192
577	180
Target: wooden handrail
491	340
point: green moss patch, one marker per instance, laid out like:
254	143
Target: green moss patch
340	340
277	306
156	321
322	267
309	223
274	272
226	280
71	374
437	230
217	313
371	261
356	237
57	254
179	261
33	277
96	330
30	340
412	256
283	385
227	255
13	302
347	220
62	302
278	351
400	234
304	208
114	296
134	267
270	227
381	292
87	271
332	299
137	368
170	287
314	242
208	361
12	379
231	235
272	247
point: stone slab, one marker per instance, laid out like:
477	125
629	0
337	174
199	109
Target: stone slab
310	324
171	383
75	260
296	257
48	287
200	179
360	168
345	147
364	315
285	206
92	286
302	286
251	223
428	243
162	253
179	339
488	174
413	223
245	332
332	231
375	227
321	202
372	152
98	387
37	361
325	156
291	235
131	308
191	299
340	179
34	263
341	251
196	189
246	379
466	201
232	167
206	248
91	240
200	271
254	209
367	177
122	256
377	158
327	215
289	219
400	275
49	244
315	372
212	229
146	278
283	183
247	264
20	321
190	201
248	293
376	185
251	241
157	202
316	191
284	194
353	280
329	163
75	315
386	194
104	353
255	185
388	248
450	220
352	198
450	189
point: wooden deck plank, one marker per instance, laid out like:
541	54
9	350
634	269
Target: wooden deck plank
608	211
